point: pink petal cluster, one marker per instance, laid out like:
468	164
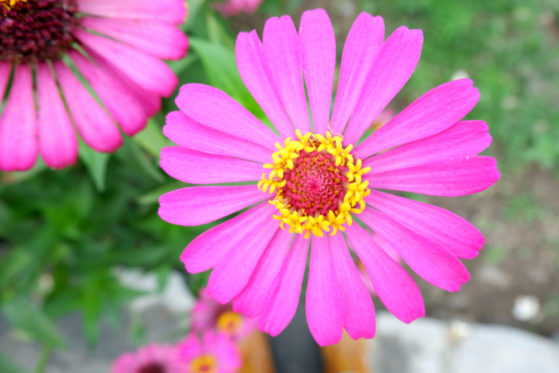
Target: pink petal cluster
117	47
217	345
427	148
181	358
234	7
207	311
151	358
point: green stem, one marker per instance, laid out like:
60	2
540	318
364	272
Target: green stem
43	360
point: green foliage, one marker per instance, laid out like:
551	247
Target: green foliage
64	234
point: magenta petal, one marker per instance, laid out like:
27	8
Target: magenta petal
248	52
93	123
281	303
391	70
58	143
429	260
206	250
363	43
234	270
117	98
282	54
18	123
318	47
202	168
201	205
323	301
464	139
433	112
194	136
450	179
151	102
173	11
147	71
394	286
441	226
159	39
358	310
215	109
250	301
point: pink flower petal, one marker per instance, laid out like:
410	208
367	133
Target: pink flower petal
93	123
248	52
206	250
429	260
250	301
281	302
201	205
318	48
394	286
430	114
147	71
215	109
358	310
323	300
18	124
117	98
173	11
391	70
225	351
282	56
464	139
202	168
363	43
449	178
194	136
58	143
441	226
151	102
159	39
234	270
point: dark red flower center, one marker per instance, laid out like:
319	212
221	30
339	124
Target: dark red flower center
152	368
315	184
36	30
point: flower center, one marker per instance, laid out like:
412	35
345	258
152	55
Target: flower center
36	30
318	184
204	364
152	368
229	322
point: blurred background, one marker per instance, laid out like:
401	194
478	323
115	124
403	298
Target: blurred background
88	270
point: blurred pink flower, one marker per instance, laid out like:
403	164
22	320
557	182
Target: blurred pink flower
152	358
208	314
116	46
321	178
212	352
234	7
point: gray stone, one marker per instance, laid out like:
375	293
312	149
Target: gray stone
432	346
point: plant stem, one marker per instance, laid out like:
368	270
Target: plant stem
43	360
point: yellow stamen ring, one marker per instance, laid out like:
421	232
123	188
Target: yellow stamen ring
284	161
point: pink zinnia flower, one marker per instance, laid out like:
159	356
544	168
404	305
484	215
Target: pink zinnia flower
152	358
233	7
116	46
208	314
211	353
322	178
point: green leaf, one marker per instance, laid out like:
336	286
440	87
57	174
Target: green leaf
96	164
132	155
8	366
221	70
151	139
30	319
